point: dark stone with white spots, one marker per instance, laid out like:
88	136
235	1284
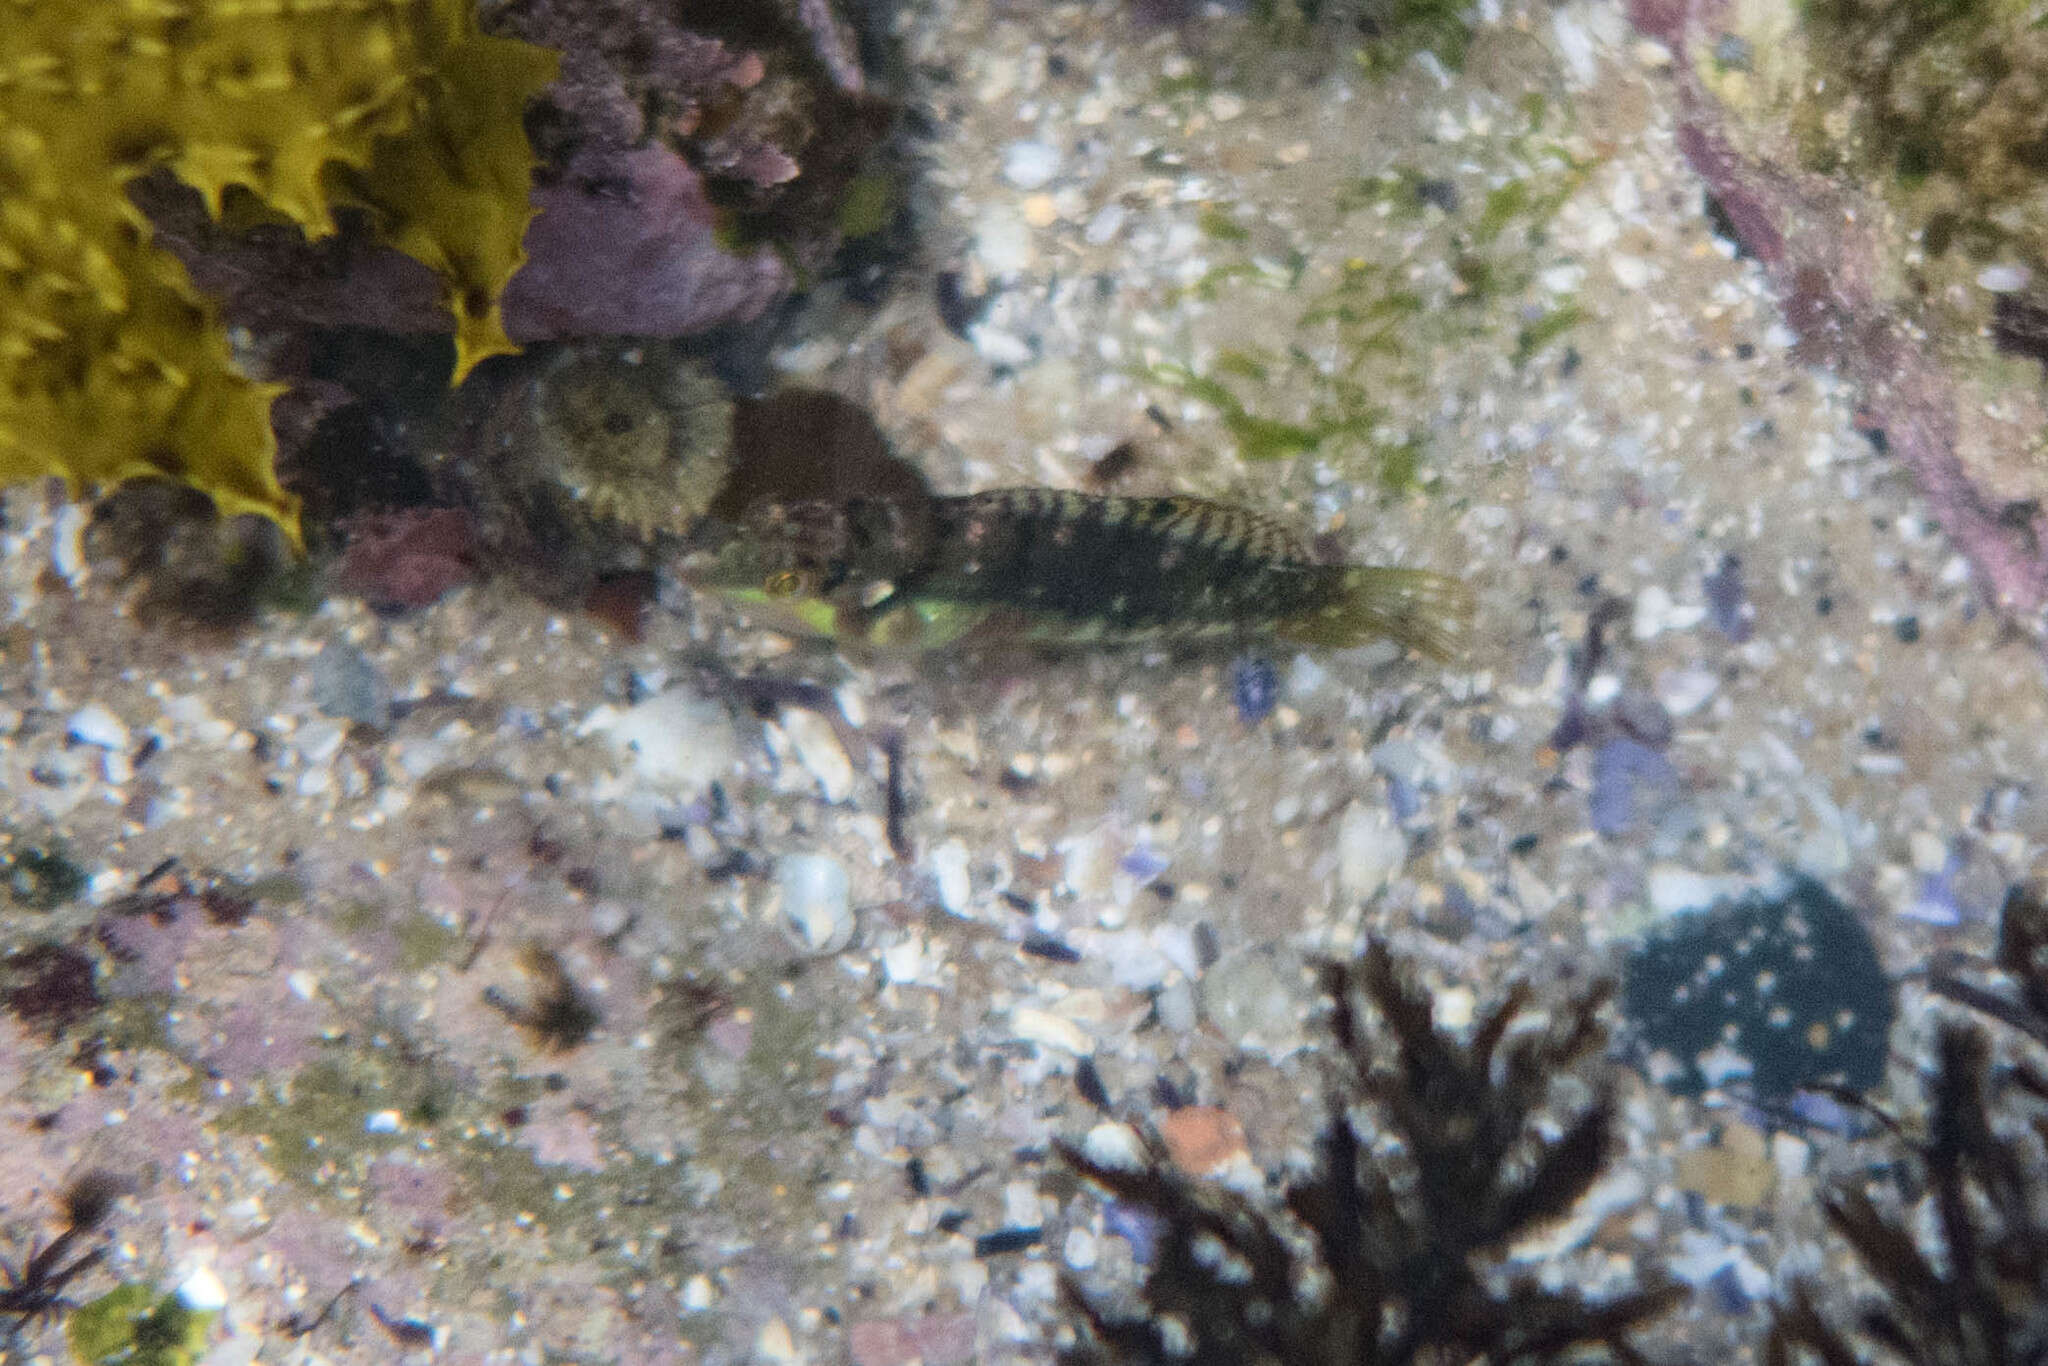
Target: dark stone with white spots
1786	987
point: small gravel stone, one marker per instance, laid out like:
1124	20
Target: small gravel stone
1370	850
775	1345
1176	1007
1929	851
1453	1007
815	746
348	687
1110	1144
1030	165
92	724
1673	889
1203	1139
1684	691
1633	272
1105	225
1000	346
67	542
816	901
1043	1027
1255	1000
1656	613
949	871
1254	687
1003	244
2004	279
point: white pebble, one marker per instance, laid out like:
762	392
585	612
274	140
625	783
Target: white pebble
93	724
816	746
202	1291
1177	1009
1000	346
1135	964
816	901
384	1122
1020	1204
1674	889
912	962
1684	691
698	1294
1030	165
949	870
1003	244
1110	1144
1632	272
1452	1007
2004	279
1105	225
1042	1027
319	742
1656	613
1575	45
1079	1250
1369	851
67	542
775	1345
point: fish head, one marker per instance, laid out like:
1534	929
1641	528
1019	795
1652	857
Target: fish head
777	559
819	566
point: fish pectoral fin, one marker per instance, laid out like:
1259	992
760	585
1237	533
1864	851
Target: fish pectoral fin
1425	612
924	625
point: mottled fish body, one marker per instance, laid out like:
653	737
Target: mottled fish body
1048	566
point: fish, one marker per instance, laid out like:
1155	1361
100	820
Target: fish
1055	567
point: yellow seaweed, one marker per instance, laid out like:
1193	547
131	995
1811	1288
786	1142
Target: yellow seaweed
112	363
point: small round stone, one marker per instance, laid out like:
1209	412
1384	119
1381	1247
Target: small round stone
1029	165
816	901
92	724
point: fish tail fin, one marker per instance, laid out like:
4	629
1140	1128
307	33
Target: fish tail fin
1428	613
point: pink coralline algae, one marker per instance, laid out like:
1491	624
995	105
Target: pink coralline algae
1824	259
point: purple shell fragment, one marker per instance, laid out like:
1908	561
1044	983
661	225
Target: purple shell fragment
1631	784
1255	687
1143	864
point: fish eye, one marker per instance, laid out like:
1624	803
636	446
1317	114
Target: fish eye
785	583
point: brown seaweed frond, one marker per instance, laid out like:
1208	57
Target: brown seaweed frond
1973	1289
2020	1002
34	1291
1975	1293
1406	1241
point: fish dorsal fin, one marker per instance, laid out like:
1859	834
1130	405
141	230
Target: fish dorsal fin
1260	534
